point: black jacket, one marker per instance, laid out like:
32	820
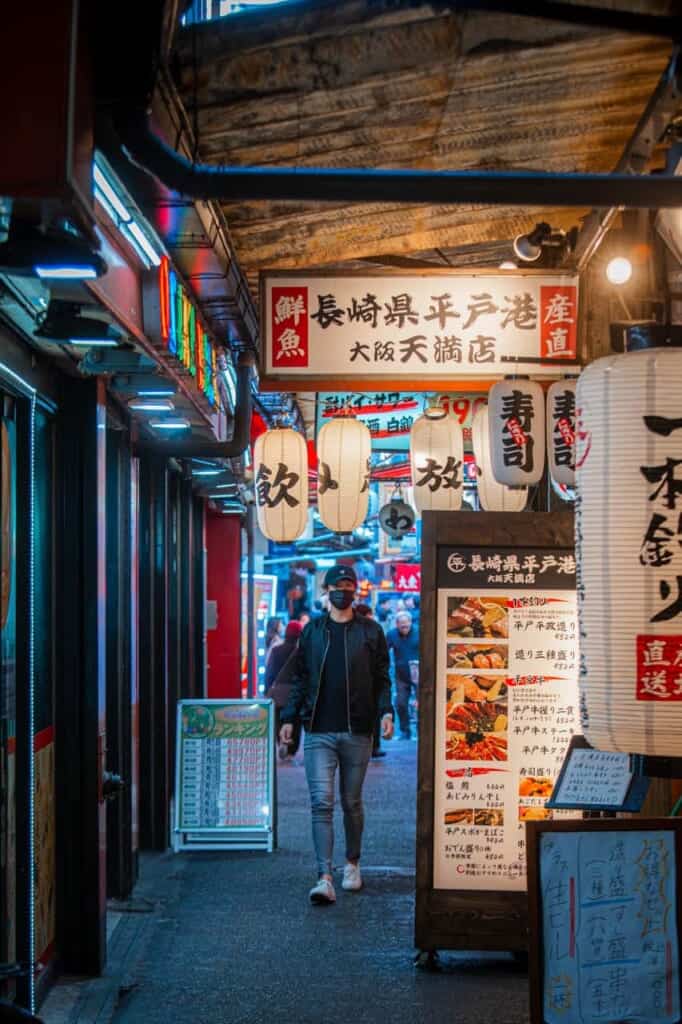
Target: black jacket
369	684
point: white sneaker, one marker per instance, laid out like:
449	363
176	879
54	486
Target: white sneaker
323	892
352	879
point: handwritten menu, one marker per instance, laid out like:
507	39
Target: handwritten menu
594	778
609	927
507	707
224	766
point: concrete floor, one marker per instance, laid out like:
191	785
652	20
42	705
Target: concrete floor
237	942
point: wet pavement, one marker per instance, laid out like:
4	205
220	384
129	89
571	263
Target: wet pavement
234	939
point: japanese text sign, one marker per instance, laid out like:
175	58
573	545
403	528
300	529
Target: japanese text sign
407	577
435	325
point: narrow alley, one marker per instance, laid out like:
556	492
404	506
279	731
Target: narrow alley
233	940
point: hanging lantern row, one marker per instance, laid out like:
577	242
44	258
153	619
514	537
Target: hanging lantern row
519	437
437	461
629	551
281	479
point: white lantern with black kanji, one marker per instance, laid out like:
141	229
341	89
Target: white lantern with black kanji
437	461
280	468
561	432
493	497
516	422
344	448
629	551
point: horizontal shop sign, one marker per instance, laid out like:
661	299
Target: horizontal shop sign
418	328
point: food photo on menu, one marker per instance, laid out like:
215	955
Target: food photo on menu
484	618
476	718
484	657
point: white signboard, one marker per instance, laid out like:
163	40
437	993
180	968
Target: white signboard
609	920
595	778
507	707
411	327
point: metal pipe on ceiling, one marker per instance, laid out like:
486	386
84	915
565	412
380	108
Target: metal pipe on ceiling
516	188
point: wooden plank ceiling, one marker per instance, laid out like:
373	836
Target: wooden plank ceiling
374	83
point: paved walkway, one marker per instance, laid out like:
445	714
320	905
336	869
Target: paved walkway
237	942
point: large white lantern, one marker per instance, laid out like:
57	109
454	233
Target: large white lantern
343	466
493	497
280	467
628	542
437	460
561	431
516	421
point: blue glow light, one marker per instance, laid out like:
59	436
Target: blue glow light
155	405
94	342
84	273
170	424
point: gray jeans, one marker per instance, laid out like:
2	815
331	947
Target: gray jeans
323	751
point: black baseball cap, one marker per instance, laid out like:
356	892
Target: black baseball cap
338	573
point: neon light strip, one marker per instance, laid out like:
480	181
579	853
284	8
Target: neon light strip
173	332
164	299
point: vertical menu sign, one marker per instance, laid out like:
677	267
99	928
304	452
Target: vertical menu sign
506	706
224	783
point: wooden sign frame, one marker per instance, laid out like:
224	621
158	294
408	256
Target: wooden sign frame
534	830
465	919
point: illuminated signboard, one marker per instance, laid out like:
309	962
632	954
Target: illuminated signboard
171	321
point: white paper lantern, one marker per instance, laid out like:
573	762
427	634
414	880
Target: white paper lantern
516	421
437	460
280	466
629	477
494	497
344	447
561	431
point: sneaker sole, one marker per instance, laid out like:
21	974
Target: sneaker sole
319	900
351	888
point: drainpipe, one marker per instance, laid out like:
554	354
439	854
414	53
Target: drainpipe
199	449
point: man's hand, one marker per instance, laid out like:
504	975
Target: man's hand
286	733
387	727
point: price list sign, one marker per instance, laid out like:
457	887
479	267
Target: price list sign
224	784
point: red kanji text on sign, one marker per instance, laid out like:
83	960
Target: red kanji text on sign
558	321
290	326
659	667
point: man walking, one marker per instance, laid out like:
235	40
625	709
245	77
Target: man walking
403	640
340	684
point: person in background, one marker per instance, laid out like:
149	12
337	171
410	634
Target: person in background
278	675
341	683
383	609
366	612
273	636
403	640
318	609
412	606
304	617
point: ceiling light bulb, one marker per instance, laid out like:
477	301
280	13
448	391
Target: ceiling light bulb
619	270
508	265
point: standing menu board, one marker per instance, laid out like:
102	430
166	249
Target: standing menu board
605	921
506	705
498	707
224	775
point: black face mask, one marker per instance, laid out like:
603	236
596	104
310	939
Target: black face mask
341	599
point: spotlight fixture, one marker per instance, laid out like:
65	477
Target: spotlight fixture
544	244
52	255
619	270
63	324
528	248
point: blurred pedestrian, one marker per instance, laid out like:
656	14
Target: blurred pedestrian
273	635
341	682
403	640
278	677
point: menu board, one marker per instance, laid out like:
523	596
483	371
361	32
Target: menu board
224	778
609	949
506	699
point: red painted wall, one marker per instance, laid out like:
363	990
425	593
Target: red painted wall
223	553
